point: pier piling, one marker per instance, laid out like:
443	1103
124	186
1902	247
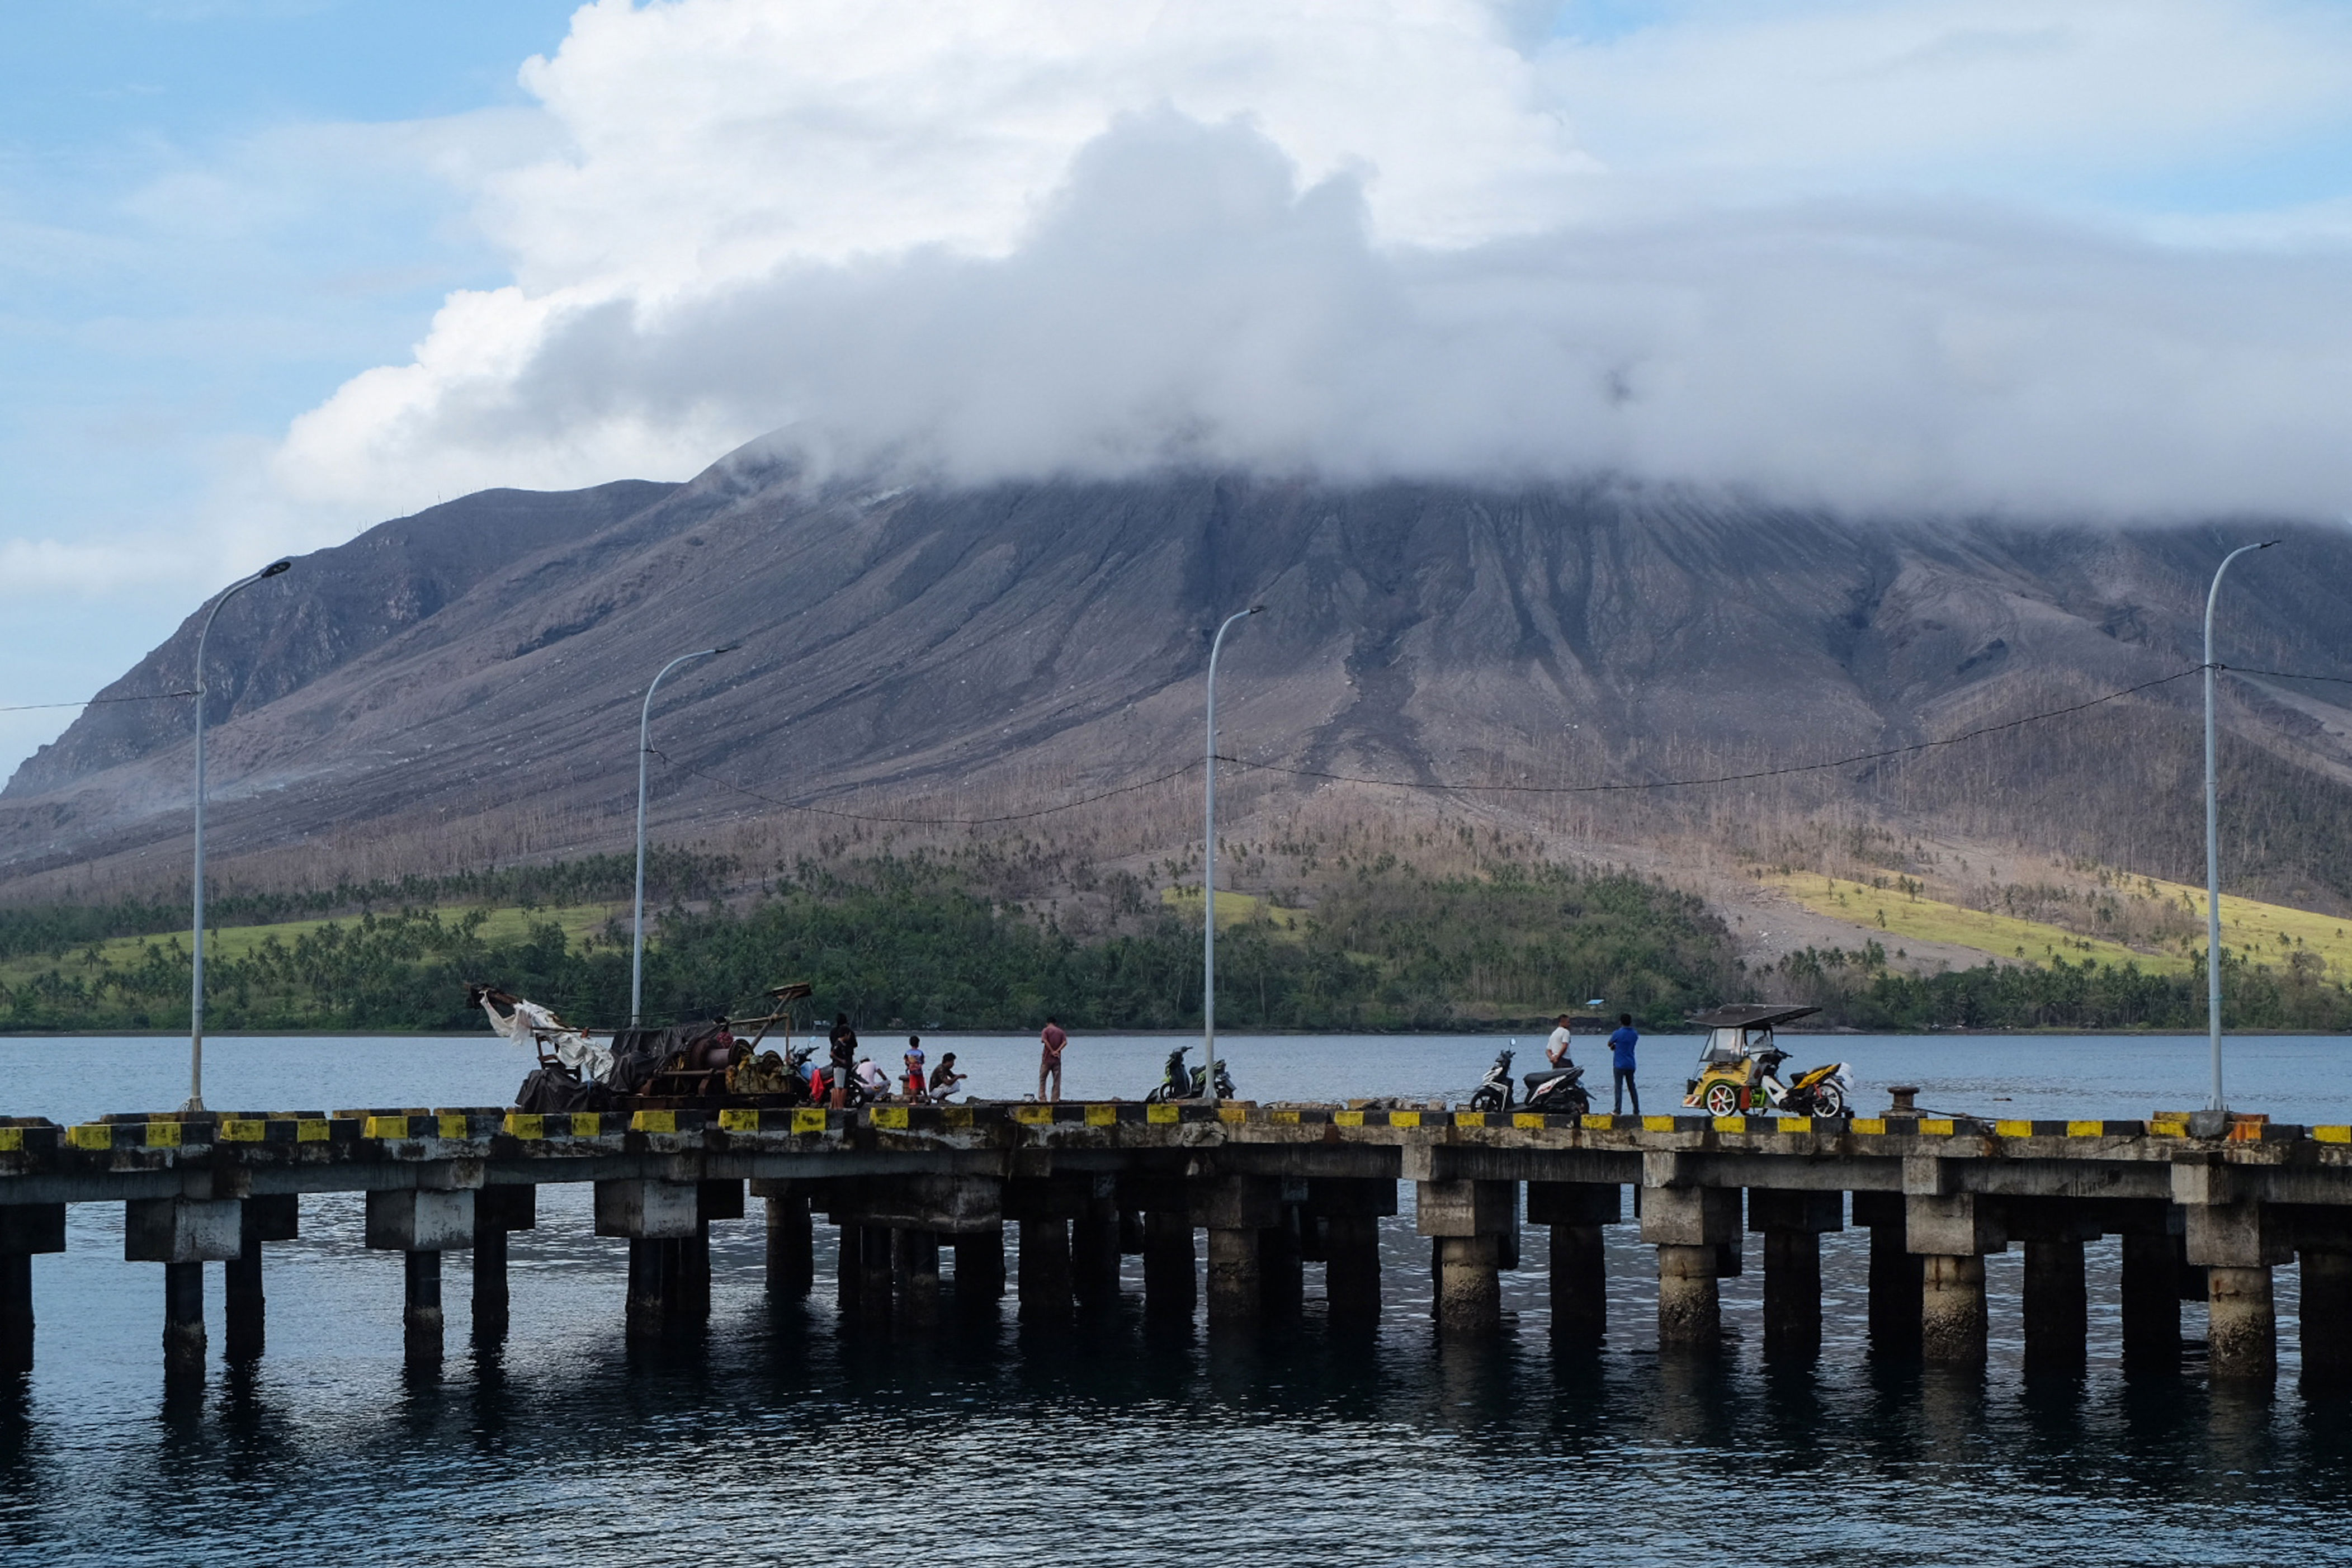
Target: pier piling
1690	1226
980	1270
2151	1301
498	1211
791	1240
420	1317
1044	1282
1576	1212
1895	1275
2326	1317
1282	1275
1793	1223
26	1230
1094	1251
183	1322
1170	1287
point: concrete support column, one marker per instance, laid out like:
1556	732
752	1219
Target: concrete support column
1466	1220
690	1297
15	1312
1690	1226
244	1308
497	1213
2327	1318
2151	1302
1234	1296
1791	1222
420	1314
791	1247
1952	1309
1093	1252
1690	1308
1576	1212
980	1270
2242	1333
25	1229
1793	1292
849	1270
1044	1282
653	1265
1579	1284
491	1312
1894	1275
1352	1275
1469	1285
2057	1308
1169	1287
183	1322
1282	1282
916	1264
876	1291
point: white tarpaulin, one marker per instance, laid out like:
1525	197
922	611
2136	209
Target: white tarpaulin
529	1024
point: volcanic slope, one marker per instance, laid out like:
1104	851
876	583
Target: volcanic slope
466	683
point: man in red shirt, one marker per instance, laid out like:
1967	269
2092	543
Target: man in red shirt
1050	1065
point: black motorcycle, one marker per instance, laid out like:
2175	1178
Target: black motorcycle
1183	1081
1558	1092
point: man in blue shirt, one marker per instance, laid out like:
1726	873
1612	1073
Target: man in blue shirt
1621	1056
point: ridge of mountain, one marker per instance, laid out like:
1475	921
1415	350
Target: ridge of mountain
1044	638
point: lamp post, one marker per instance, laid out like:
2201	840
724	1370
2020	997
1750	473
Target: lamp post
196	974
2213	839
645	749
1209	874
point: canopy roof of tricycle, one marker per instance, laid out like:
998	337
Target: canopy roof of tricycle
1750	1016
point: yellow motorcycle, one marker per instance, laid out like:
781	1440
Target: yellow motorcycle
1740	1070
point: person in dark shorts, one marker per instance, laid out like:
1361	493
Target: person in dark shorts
1049	1064
1621	1063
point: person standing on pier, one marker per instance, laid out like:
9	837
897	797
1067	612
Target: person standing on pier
1049	1065
845	1058
1556	1050
1621	1054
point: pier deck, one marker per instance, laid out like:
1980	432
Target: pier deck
1274	1187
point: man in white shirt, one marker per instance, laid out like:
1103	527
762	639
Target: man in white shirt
1556	1048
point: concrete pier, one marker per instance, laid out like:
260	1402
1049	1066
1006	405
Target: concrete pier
1276	1188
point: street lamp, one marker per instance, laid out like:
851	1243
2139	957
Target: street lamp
196	976
645	749
1209	873
2214	841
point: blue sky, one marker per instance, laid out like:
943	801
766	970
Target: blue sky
273	269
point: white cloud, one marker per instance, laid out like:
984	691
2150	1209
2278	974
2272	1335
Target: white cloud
1024	235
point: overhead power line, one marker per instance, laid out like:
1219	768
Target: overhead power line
94	701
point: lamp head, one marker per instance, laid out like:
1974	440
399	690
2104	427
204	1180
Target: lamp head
276	567
730	647
1257	609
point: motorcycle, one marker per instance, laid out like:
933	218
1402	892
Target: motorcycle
860	1093
1183	1081
1557	1091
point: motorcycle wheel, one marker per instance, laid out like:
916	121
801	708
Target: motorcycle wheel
1828	1100
1486	1099
1158	1096
1721	1099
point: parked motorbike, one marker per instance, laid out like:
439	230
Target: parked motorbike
1184	1081
1557	1091
860	1093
